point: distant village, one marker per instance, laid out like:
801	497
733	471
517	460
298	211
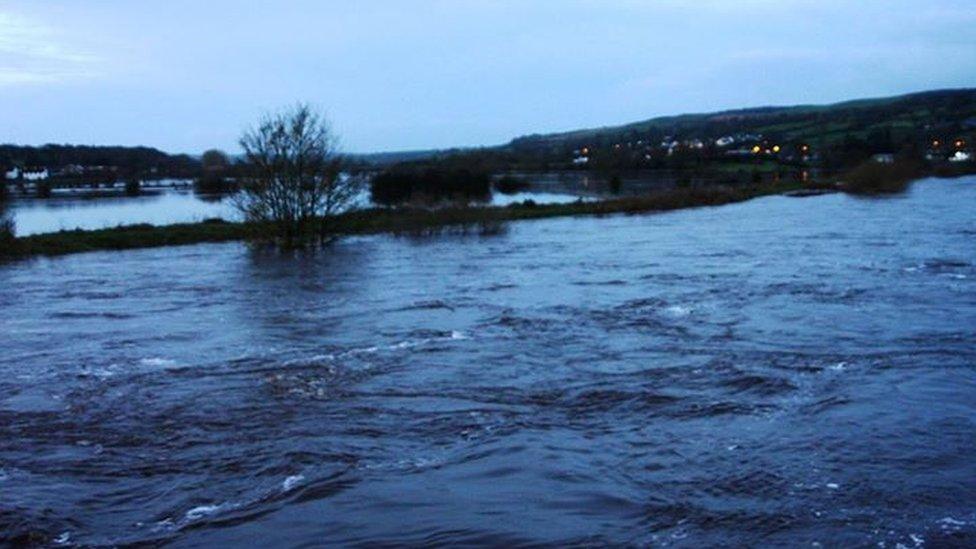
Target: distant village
44	181
71	171
750	146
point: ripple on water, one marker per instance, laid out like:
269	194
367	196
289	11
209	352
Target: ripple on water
674	388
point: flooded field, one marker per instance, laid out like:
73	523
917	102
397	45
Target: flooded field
68	210
785	371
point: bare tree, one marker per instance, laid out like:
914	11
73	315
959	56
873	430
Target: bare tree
294	182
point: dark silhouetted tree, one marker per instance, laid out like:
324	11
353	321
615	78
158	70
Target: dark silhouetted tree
293	180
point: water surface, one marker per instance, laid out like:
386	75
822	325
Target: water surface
786	371
160	207
165	206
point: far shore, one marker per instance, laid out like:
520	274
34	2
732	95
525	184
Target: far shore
404	221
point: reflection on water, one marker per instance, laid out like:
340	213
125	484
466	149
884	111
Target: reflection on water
780	372
162	207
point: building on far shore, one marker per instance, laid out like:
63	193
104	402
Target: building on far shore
13	173
35	174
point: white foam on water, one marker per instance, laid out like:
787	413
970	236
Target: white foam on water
410	343
949	524
833	486
292	482
326	358
839	367
164	525
63	539
414	463
157	362
678	310
201	511
101	372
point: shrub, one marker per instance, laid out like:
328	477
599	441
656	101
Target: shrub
8	232
401	185
132	187
509	184
216	169
876	178
212	182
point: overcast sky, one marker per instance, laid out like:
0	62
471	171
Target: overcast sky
401	74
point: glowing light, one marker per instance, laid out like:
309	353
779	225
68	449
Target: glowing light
756	149
936	143
775	148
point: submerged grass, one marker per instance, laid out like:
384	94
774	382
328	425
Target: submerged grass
407	221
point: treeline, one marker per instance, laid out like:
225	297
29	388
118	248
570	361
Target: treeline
93	159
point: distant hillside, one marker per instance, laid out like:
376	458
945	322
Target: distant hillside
932	111
937	127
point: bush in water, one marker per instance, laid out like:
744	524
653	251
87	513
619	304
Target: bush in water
509	184
879	178
132	187
43	189
400	185
7	228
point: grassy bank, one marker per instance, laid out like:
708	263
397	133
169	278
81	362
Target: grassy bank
397	221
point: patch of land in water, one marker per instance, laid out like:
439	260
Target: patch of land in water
379	220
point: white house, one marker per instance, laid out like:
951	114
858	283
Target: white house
36	175
724	141
13	174
961	156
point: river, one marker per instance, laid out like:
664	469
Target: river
784	371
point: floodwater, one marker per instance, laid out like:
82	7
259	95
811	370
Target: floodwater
780	372
165	206
159	207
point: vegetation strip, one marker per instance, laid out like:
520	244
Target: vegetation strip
378	220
